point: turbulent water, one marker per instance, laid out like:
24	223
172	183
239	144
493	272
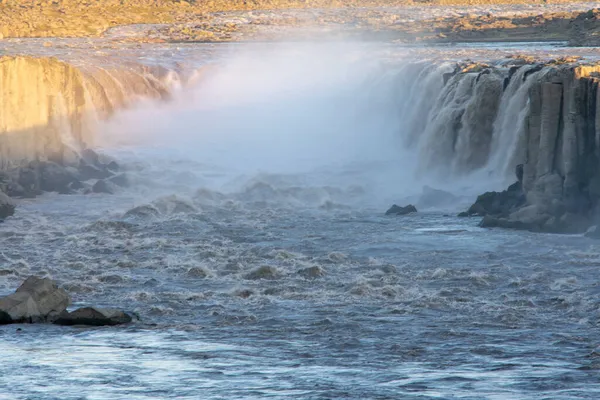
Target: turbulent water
253	246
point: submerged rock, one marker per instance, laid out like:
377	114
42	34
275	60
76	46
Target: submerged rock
145	211
264	272
431	197
36	300
123	180
397	210
7	206
94	316
104	186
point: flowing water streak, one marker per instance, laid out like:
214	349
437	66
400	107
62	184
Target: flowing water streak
509	141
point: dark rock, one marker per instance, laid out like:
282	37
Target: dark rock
29	179
55	177
499	203
113	166
104	186
36	300
145	211
397	210
311	272
431	197
93	316
123	180
93	172
593	232
7	206
90	157
463	214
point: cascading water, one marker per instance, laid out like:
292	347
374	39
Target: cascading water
252	243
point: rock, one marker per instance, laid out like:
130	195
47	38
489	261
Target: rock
113	166
94	316
397	210
104	186
7	206
56	178
36	300
464	214
593	232
311	272
145	211
122	180
264	272
431	197
174	205
90	157
498	203
93	172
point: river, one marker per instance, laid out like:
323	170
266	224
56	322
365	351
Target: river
254	248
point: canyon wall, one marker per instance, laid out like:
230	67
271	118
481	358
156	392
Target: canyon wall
541	119
49	109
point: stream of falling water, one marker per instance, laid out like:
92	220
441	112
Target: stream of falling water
252	243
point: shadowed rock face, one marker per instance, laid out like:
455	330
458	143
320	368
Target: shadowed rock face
560	152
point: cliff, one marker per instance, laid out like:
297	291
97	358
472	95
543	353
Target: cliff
540	119
48	108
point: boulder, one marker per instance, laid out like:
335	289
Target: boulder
145	211
431	197
94	316
56	178
36	300
104	186
122	180
7	206
593	232
89	171
397	210
499	204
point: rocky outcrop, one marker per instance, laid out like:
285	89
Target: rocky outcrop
7	206
93	316
41	300
36	300
556	147
397	210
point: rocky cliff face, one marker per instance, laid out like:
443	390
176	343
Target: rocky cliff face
48	109
544	118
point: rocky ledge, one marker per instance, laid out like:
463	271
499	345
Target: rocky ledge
40	300
557	187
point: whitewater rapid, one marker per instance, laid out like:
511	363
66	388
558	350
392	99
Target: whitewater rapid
253	245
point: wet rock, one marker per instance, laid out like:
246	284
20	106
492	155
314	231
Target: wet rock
264	272
29	179
7	206
56	178
94	172
397	210
311	272
93	316
499	204
122	180
174	205
90	157
113	166
36	300
593	232
104	186
431	197
145	211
